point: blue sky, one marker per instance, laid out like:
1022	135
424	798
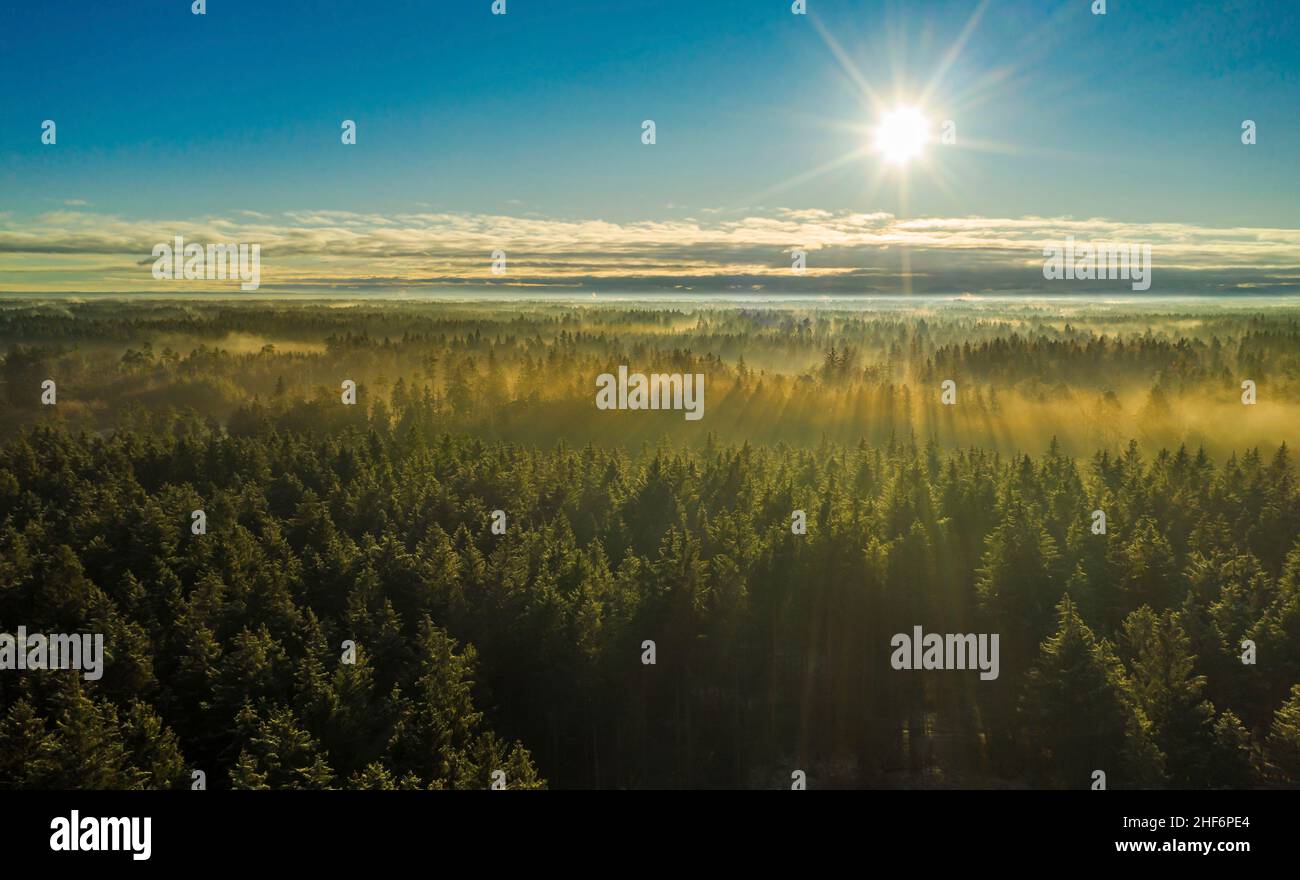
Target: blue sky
165	116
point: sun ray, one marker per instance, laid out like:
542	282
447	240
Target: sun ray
813	173
851	69
953	53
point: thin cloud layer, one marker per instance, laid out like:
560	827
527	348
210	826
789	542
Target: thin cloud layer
87	251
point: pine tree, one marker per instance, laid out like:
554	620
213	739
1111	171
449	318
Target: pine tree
1282	748
86	750
1078	714
277	753
1197	746
1020	580
23	738
152	748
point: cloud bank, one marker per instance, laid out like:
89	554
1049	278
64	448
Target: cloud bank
847	252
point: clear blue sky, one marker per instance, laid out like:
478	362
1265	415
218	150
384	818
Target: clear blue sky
1134	115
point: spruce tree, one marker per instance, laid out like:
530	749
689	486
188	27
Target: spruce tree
1078	714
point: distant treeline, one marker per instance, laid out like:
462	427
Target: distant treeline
526	372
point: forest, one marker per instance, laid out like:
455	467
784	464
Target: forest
500	553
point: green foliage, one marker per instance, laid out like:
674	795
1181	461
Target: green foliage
1198	747
1282	749
1077	677
521	652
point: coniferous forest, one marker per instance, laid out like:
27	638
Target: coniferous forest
505	560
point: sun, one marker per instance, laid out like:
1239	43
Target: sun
902	134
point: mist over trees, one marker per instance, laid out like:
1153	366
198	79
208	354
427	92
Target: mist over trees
476	651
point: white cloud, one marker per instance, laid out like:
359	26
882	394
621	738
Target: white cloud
83	250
